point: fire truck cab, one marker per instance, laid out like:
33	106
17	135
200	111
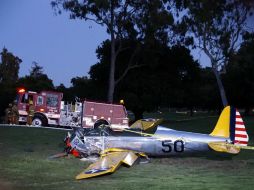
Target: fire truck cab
51	110
47	107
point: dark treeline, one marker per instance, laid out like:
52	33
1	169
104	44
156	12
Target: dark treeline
168	77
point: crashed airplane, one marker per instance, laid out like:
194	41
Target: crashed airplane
147	138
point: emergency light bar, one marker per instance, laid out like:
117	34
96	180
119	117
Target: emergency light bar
21	90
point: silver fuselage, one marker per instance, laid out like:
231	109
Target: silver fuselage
165	142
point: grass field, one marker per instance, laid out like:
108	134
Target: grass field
24	164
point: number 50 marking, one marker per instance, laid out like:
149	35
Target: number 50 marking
178	146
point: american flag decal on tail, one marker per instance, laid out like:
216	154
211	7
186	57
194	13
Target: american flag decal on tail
238	135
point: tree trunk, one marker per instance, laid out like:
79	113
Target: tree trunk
111	85
221	88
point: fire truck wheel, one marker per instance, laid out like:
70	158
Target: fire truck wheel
100	122
39	121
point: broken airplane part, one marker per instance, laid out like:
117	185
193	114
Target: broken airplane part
147	138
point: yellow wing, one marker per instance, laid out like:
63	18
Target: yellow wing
109	161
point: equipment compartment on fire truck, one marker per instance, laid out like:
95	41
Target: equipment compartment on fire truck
96	113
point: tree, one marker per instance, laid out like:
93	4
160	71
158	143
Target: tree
209	96
240	75
9	69
162	81
216	28
68	95
36	80
36	70
84	88
169	80
124	19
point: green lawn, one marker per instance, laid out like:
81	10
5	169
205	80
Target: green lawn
24	164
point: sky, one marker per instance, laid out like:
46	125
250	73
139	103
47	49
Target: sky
65	48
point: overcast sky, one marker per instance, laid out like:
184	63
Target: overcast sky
64	48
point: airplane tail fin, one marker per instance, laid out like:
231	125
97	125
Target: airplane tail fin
230	125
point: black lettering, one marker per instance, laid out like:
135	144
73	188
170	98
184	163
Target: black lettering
166	144
178	146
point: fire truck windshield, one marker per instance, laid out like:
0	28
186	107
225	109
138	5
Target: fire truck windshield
52	100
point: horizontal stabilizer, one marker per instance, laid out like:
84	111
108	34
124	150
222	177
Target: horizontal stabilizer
224	147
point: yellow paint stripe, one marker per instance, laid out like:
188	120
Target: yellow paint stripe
233	145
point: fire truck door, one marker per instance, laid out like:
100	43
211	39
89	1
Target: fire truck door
24	101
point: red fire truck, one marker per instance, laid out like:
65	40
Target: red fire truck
51	110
